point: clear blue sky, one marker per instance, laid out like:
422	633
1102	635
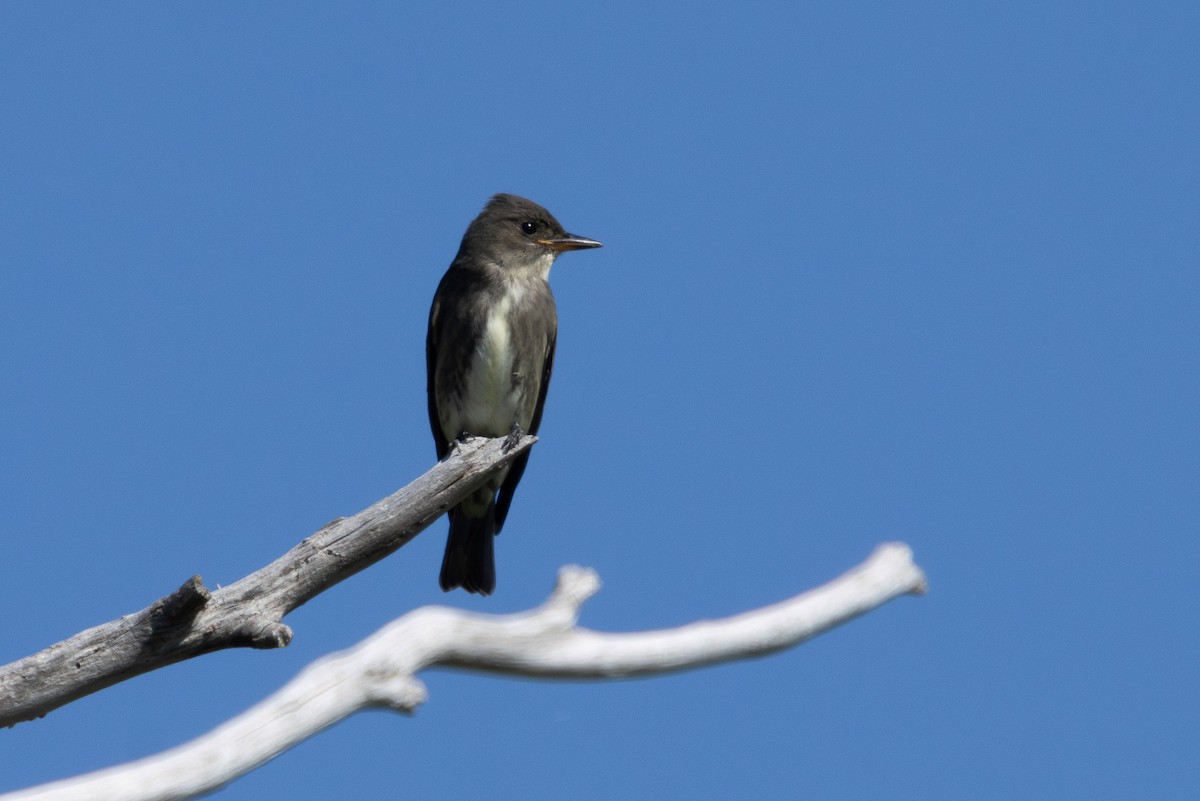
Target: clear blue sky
926	272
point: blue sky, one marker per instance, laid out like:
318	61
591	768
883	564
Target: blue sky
871	272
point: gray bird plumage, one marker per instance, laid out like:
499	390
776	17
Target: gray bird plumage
489	354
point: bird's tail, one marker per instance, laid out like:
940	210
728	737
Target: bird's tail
470	561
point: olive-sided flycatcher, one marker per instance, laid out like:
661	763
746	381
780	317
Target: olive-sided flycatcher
488	354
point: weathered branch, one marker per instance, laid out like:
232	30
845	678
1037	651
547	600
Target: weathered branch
248	613
380	671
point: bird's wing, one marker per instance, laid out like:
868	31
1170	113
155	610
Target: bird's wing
547	368
431	367
504	497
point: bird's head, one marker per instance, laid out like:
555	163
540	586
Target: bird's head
515	232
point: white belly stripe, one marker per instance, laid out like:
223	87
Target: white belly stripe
491	402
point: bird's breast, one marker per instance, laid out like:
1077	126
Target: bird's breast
497	378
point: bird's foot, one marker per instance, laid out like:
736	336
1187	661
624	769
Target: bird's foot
513	437
461	440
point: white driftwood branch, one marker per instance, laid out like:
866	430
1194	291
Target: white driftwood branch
248	613
381	670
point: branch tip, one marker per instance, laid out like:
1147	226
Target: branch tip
898	557
892	551
182	604
273	635
573	586
402	693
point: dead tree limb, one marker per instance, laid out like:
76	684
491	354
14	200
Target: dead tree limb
248	613
381	670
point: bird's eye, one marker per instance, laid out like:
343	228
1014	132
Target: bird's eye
529	227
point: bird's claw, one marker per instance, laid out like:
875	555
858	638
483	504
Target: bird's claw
513	438
460	440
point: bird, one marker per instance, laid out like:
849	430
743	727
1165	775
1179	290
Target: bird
489	353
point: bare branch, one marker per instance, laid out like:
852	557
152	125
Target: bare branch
380	671
248	613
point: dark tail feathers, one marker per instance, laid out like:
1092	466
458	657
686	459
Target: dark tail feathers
469	561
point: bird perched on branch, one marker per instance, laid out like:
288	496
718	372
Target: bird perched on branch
489	353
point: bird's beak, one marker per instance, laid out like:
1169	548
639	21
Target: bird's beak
569	242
